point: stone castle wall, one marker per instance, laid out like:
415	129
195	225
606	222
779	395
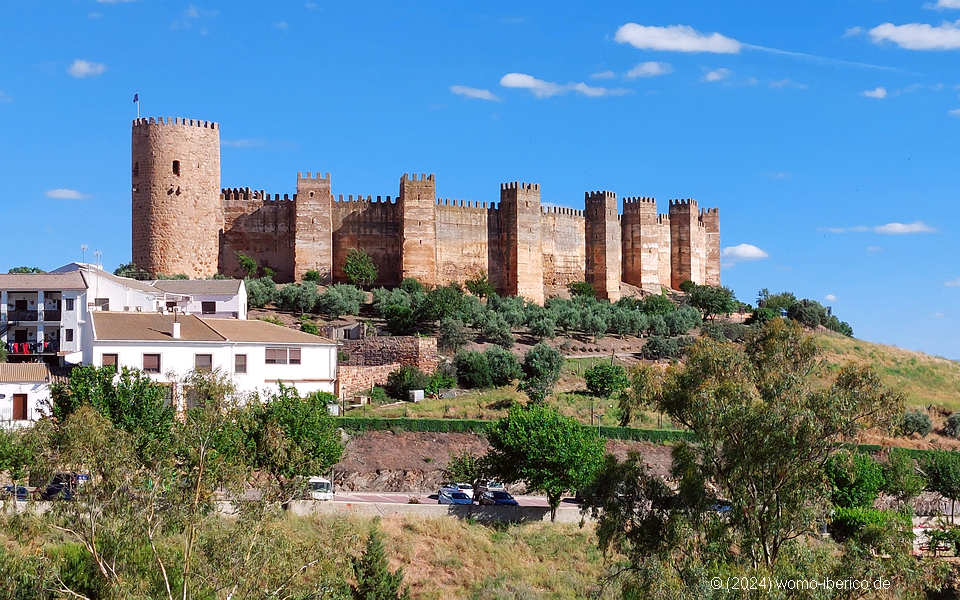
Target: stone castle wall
184	223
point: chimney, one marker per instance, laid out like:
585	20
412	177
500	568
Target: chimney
176	330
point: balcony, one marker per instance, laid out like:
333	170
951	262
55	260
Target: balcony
21	315
32	348
51	314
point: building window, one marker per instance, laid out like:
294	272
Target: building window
283	356
176	168
68	303
203	362
136	169
109	360
68	335
294	356
240	363
20	305
208	308
151	363
102	303
171	306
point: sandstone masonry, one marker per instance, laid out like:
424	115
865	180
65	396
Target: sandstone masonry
183	222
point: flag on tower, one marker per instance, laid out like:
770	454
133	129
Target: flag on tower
136	97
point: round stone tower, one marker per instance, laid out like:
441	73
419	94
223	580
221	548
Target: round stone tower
177	217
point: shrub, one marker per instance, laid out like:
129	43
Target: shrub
855	479
401	320
541	370
440	380
313	276
374	580
452	334
247	264
378	395
856	522
298	297
511	308
480	286
916	421
762	315
308	326
340	299
659	347
359	268
543	327
713	300
441	302
473	369
404	379
657	325
260	292
657	304
952	428
497	331
582	288
606	379
900	476
594	323
723	331
412	285
808	313
504	367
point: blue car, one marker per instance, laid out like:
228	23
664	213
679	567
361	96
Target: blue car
452	496
497	498
19	492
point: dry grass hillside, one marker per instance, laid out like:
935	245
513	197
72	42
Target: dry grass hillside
924	379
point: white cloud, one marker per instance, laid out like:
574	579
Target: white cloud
953	282
471	92
852	31
5	98
66	194
675	38
830	297
651	68
903	228
943	5
743	252
545	89
878	93
311	6
603	75
955	112
787	83
281	25
919	36
717	75
938	315
874	249
84	68
193	15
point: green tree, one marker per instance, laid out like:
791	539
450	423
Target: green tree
359	268
260	292
657	304
340	299
541	370
916	421
132	271
552	453
594	322
314	276
543	327
497	331
645	384
375	581
298	297
855	479
687	286
466	466
901	477
942	470
480	286
452	334
441	302
404	379
713	300
504	367
473	369
248	265
25	270
412	285
582	288
606	379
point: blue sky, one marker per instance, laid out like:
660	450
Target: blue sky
826	132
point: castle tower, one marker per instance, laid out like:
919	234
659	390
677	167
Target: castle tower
520	229
710	218
640	242
313	228
419	246
603	241
177	217
687	243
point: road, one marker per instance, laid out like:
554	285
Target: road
404	498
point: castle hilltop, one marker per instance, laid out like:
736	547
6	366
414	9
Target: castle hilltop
183	222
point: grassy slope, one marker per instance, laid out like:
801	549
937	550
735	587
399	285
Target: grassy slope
922	378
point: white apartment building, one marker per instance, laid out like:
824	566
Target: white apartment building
217	298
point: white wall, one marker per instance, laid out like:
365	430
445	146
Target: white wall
122	298
37	396
228	306
316	371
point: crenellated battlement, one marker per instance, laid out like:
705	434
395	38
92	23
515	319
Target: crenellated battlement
561	210
599	195
368	200
520	185
248	194
637	200
471	204
174	121
708	211
689	203
663	219
318	177
413	177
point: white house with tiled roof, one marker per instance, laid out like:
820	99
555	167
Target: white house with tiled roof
24	392
256	355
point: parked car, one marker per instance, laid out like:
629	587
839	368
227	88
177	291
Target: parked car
488	485
466	488
63	486
19	492
319	488
497	498
449	495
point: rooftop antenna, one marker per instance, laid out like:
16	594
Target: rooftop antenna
83	253
98	254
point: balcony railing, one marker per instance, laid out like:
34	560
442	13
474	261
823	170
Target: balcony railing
51	314
25	348
21	315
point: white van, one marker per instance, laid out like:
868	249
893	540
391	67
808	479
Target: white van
319	488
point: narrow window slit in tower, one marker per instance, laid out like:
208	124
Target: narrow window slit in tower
176	168
136	169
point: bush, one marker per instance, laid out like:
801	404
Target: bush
480	286
473	369
260	292
359	268
511	308
401	320
340	299
855	479
543	327
404	379
541	370
762	315
452	334
378	395
441	302
313	276
857	522
916	421
713	300
657	304
497	331
582	288
504	367
308	326
808	313
657	325
595	323
687	286
606	379
952	428
298	297
658	347
681	320
247	264
725	332
412	285
440	380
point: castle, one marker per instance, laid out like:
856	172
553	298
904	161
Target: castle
183	222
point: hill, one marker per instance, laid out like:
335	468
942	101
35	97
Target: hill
924	379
